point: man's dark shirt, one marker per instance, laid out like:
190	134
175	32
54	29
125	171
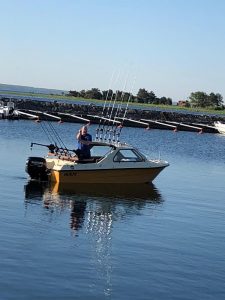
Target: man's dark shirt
85	149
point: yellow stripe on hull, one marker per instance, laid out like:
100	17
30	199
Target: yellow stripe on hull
106	176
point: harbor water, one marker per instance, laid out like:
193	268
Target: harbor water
159	241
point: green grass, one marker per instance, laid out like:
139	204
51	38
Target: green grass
50	96
131	104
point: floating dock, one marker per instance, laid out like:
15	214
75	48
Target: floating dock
46	111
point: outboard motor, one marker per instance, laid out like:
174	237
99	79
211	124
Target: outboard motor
36	168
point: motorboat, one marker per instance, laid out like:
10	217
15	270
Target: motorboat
119	163
111	161
7	111
220	126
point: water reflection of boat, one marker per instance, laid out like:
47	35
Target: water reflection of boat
127	191
93	211
93	204
106	198
143	191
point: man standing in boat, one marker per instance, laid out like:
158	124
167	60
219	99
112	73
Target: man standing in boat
84	139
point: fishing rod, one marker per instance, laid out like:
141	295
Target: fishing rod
49	130
56	135
110	111
46	131
112	122
106	121
108	130
118	110
104	106
120	95
126	109
112	128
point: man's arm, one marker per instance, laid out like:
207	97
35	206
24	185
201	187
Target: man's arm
79	135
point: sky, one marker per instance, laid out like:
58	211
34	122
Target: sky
170	47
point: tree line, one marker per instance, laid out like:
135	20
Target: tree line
201	99
143	96
196	99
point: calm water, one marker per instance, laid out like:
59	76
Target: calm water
165	241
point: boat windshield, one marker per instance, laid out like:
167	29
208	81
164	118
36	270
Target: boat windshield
100	150
128	155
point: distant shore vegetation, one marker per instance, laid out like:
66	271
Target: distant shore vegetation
195	100
143	96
